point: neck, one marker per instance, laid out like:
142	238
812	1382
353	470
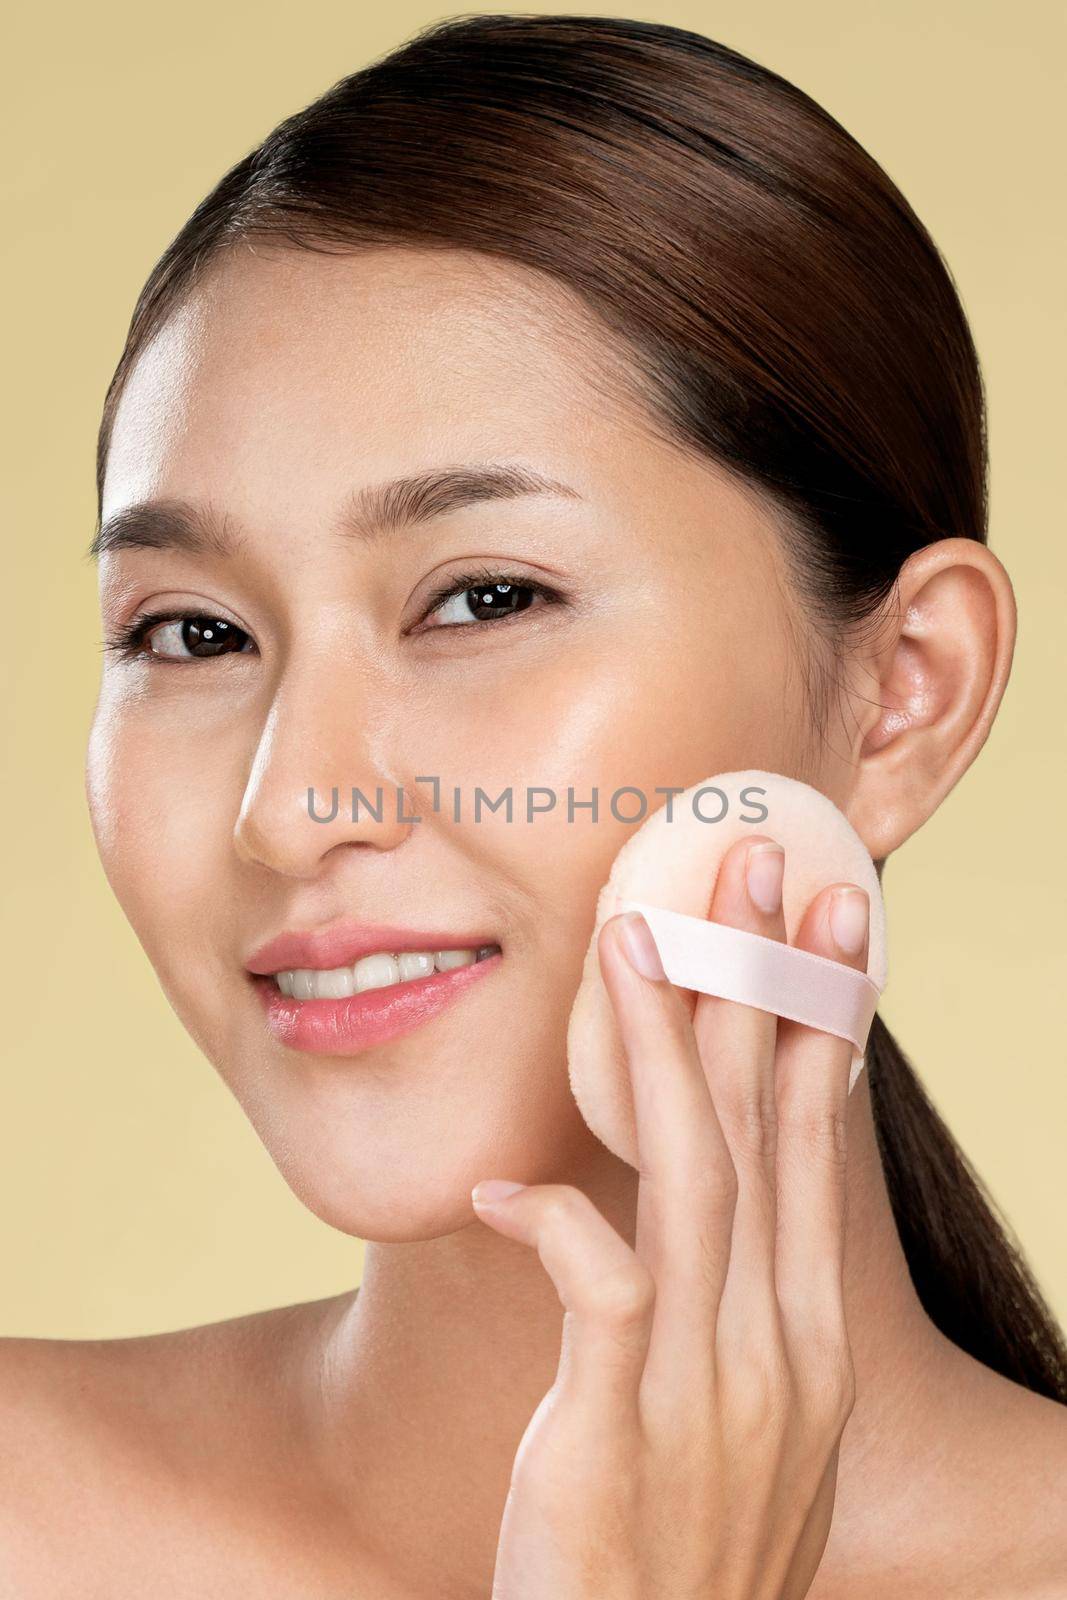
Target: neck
429	1376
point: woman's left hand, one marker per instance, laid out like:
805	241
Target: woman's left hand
687	1449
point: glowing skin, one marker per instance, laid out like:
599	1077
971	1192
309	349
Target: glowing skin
198	771
290	382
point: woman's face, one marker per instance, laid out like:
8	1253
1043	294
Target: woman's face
288	385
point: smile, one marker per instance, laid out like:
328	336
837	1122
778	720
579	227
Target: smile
380	970
343	1011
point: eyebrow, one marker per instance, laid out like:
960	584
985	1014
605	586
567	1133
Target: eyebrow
369	514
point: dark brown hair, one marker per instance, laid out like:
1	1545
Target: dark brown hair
783	312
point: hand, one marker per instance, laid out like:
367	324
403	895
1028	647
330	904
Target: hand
687	1449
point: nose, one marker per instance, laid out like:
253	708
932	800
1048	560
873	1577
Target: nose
316	748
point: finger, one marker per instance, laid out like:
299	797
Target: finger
687	1185
736	1044
607	1294
808	1552
812	1101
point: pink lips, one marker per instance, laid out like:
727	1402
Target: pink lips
341	943
345	1027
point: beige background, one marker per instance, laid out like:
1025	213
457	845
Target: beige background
135	1197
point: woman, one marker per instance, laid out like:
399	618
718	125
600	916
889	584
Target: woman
565	402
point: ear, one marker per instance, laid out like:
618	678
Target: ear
927	687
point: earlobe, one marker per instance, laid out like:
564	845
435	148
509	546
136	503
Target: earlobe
937	674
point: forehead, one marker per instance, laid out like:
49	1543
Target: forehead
291	365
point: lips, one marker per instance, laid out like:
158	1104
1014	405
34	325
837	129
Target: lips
359	1022
342	943
347	1027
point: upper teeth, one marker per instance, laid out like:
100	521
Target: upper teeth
374	972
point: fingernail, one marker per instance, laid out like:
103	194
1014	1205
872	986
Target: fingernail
764	870
849	911
488	1192
639	946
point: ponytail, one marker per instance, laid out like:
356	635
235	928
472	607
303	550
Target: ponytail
964	1261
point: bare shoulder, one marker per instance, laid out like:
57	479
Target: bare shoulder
1025	1436
972	1505
110	1446
60	1395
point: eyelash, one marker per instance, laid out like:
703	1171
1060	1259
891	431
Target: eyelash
483	578
129	640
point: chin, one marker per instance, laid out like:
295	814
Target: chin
370	1173
397	1209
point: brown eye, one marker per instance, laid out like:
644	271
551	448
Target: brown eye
486	596
484	602
196	637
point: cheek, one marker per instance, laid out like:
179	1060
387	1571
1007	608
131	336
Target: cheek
659	709
162	816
